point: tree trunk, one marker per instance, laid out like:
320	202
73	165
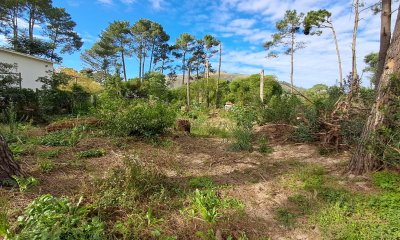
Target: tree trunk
123	64
183	68
386	16
188	91
207	82
140	66
8	167
219	76
291	64
363	159
354	74
262	85
151	56
338	56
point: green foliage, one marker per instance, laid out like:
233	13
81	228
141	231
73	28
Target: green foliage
138	118
92	153
201	182
387	181
4	225
316	19
128	184
66	137
242	139
281	109
285	217
49	154
207	204
263	146
25	183
46	165
80	99
49	217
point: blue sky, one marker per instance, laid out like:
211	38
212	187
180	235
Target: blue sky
242	26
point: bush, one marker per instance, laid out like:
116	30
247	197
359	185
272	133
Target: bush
138	118
66	137
281	109
242	139
49	217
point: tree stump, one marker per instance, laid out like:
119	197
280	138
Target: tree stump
183	125
8	167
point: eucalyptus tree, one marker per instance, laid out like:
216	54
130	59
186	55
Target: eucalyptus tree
117	37
318	20
288	29
184	46
60	31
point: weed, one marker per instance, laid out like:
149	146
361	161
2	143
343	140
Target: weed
387	181
3	216
208	205
25	183
48	217
302	203
91	153
264	147
45	165
66	137
201	182
49	154
285	217
242	139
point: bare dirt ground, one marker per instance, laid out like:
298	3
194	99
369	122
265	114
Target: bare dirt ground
250	177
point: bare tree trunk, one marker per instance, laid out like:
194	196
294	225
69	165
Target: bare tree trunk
219	76
8	167
291	64
183	68
143	63
386	16
123	64
151	56
262	85
140	67
188	91
354	77
338	56
207	82
363	159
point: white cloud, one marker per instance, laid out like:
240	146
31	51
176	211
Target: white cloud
315	64
157	4
128	2
106	2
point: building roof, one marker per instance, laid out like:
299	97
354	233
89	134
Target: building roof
25	55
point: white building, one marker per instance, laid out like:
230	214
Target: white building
29	67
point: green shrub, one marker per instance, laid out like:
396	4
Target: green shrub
387	181
281	109
139	118
241	139
92	153
264	147
49	217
